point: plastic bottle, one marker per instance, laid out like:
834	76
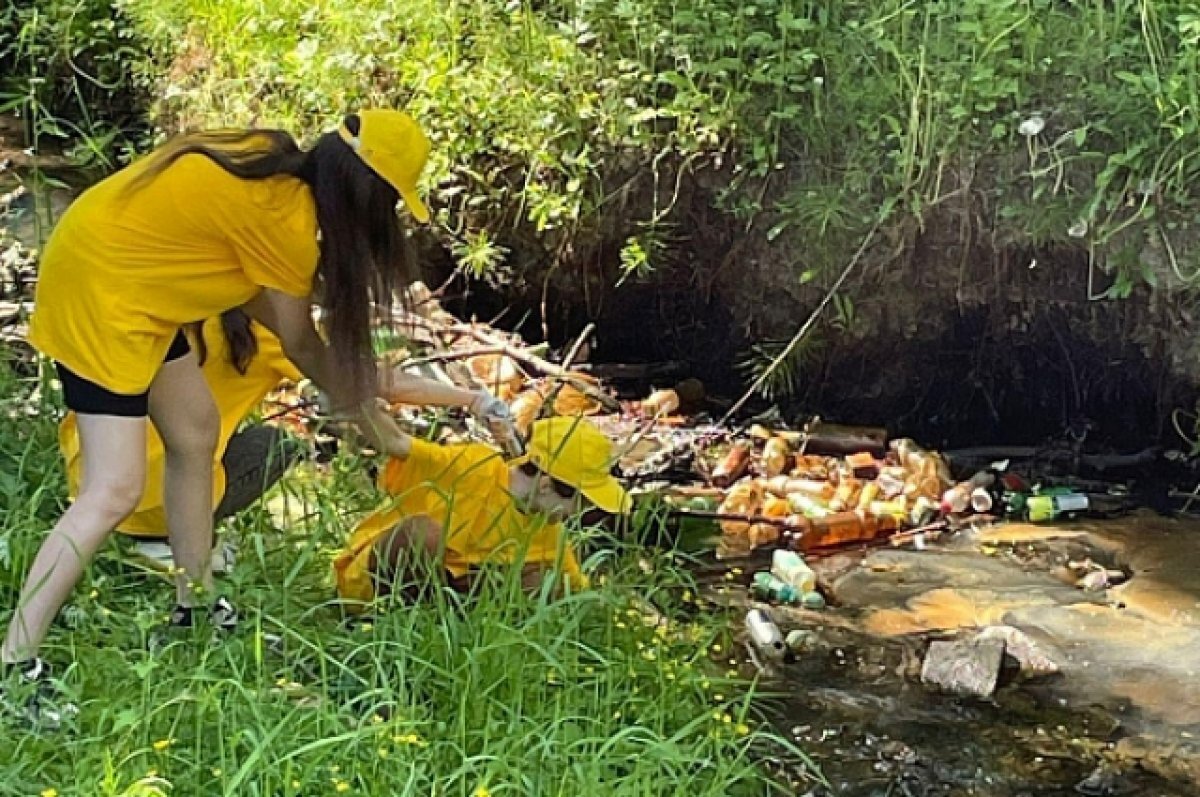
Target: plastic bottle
891	483
768	587
807	505
842	528
775	507
893	509
982	499
784	486
790	568
812	600
776	456
958	498
765	636
919	462
660	402
846	495
743	499
870	492
1041	508
734	464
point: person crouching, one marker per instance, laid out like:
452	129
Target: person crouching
455	508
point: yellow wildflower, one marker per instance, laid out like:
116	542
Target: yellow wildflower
163	744
742	729
342	786
481	791
410	738
49	792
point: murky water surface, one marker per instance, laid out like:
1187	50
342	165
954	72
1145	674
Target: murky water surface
1121	718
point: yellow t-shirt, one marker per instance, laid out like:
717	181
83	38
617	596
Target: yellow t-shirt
236	396
465	489
125	268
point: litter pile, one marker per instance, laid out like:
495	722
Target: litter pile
758	486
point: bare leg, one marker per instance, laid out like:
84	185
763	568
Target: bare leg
185	415
114	471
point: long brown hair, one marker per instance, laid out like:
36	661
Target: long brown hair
365	255
238	330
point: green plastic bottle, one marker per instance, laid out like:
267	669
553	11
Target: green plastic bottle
768	587
1041	508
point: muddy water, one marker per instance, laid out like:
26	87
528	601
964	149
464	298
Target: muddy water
1122	716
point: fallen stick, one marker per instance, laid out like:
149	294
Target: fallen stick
572	353
525	356
752	519
448	356
807	325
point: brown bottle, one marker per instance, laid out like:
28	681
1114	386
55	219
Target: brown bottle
731	468
842	528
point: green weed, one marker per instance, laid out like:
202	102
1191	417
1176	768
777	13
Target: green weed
615	690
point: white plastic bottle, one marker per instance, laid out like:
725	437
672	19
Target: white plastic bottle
790	568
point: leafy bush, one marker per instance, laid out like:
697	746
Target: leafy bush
65	68
1063	120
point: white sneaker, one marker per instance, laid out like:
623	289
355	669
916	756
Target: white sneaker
158	556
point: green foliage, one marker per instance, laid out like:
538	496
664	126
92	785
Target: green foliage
65	70
616	690
824	115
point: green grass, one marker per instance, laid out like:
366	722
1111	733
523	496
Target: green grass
596	693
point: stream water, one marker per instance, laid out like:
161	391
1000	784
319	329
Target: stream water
1121	718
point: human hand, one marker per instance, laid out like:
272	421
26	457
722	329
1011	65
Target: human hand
495	414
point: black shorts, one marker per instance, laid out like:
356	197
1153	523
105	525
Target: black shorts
87	398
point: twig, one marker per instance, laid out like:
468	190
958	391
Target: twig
768	521
795	341
448	356
567	362
523	355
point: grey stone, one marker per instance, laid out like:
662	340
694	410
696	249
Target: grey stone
968	668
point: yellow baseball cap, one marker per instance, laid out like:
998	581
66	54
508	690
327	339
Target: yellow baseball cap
575	452
395	147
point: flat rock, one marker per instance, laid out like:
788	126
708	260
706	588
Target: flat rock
1034	658
968	668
